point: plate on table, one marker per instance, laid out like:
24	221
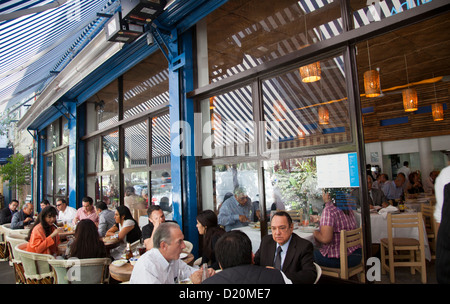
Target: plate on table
183	255
119	263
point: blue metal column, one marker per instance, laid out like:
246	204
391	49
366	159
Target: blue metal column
189	162
175	118
42	142
72	155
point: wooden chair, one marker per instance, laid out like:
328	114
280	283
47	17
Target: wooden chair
3	246
36	268
81	271
430	227
349	238
295	215
15	258
397	246
319	273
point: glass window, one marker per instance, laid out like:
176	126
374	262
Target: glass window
103	108
48	178
297	185
136	191
228	124
136	145
61	174
146	85
307	112
94	156
244	34
161	191
110	190
366	12
219	182
93	187
161	139
53	133
65	130
111	151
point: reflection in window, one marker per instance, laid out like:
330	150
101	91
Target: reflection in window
110	190
93	158
136	193
366	12
146	85
93	188
161	139
49	178
136	145
103	108
220	181
244	34
61	174
228	125
161	191
306	114
53	132
293	185
111	151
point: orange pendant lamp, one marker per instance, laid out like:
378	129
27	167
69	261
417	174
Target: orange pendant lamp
372	83
409	95
300	133
437	109
324	116
311	72
410	101
372	86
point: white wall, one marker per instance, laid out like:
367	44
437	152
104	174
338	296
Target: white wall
437	160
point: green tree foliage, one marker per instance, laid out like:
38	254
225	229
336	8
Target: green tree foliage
16	171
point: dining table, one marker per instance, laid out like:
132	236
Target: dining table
254	234
416	203
123	273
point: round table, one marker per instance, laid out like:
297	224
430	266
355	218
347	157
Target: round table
123	273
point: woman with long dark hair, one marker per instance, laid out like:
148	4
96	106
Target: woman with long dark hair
44	236
127	227
211	231
87	243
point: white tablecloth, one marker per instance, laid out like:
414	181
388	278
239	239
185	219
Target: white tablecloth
416	203
255	235
379	231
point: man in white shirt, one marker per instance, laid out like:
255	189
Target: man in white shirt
162	263
442	180
66	213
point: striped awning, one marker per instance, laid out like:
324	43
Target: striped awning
39	38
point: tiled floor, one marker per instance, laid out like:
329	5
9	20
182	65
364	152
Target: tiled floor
402	275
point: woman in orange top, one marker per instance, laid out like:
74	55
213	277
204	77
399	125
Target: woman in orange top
44	236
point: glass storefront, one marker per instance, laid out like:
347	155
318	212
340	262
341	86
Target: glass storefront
135	140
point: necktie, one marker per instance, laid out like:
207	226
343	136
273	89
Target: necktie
277	263
370	198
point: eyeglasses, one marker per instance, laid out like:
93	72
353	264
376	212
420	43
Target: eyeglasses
57	205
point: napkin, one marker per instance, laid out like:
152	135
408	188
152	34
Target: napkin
385	211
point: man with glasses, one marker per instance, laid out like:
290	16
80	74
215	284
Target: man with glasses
65	213
286	251
235	211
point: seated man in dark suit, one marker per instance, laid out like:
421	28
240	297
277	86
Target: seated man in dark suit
7	213
234	254
296	256
376	196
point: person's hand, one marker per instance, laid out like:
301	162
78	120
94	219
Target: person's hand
57	231
28	219
243	219
196	277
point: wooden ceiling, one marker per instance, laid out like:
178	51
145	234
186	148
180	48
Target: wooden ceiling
268	29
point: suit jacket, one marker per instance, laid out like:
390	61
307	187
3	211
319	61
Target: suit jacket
378	197
298	264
